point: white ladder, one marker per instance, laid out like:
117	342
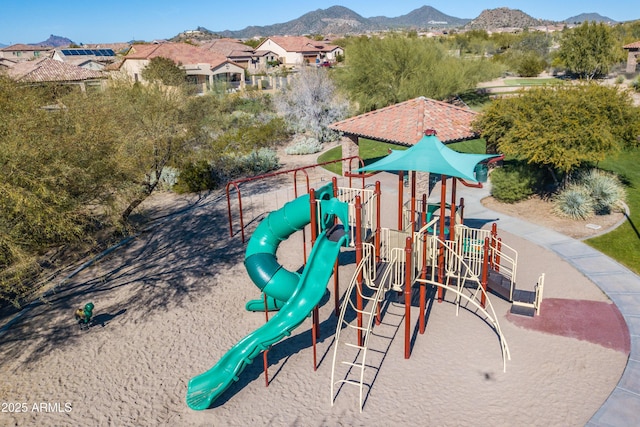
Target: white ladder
345	341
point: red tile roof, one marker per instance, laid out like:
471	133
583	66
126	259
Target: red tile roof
50	70
178	52
634	45
226	47
26	48
405	123
301	44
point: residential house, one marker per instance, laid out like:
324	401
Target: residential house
47	70
91	59
301	50
24	52
204	68
251	60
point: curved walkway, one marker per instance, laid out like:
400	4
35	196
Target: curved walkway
620	284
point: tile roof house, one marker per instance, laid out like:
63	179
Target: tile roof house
241	54
202	67
299	50
632	56
47	70
92	59
24	52
405	123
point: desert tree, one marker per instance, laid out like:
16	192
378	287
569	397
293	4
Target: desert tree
380	72
562	128
310	103
165	71
154	132
589	50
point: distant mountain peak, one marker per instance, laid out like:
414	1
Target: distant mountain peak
504	17
342	20
55	41
588	17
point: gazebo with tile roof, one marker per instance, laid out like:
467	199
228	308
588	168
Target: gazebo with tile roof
632	56
405	123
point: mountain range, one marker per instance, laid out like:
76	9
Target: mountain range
341	20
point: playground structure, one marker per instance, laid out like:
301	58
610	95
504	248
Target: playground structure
427	249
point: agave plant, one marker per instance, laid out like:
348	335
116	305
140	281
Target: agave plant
574	202
605	190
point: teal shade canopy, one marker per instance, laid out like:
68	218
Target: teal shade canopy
430	155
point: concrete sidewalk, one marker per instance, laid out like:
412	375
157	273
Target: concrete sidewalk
621	285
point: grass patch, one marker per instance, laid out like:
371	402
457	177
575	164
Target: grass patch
531	82
623	243
473	146
330	155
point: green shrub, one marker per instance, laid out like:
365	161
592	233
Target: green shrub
304	146
574	202
195	177
7	256
230	167
511	184
530	65
257	162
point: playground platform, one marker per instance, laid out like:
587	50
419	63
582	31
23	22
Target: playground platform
620	284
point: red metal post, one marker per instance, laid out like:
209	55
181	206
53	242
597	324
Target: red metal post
407	298
423	273
265	360
336	279
496	262
229	211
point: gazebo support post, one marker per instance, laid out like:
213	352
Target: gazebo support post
400	198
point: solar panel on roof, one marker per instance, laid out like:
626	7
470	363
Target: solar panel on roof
65	52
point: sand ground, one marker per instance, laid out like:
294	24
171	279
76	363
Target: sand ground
170	303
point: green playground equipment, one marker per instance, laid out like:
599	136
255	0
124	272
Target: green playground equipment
83	315
294	294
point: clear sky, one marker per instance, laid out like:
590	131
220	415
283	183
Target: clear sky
33	21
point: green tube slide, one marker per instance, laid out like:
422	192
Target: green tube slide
297	294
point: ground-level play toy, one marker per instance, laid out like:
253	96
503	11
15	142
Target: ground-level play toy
426	250
83	315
